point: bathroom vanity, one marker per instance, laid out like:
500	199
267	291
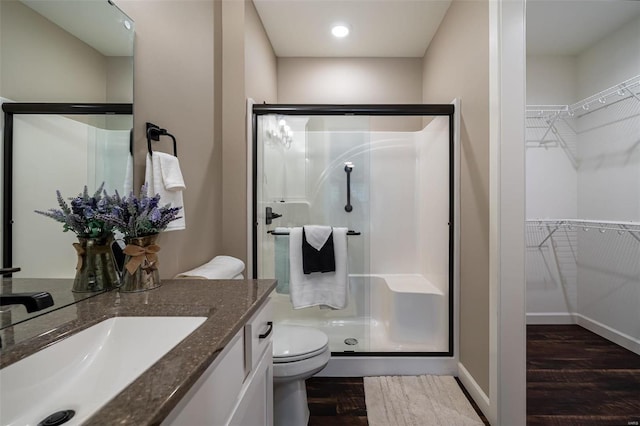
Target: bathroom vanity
221	373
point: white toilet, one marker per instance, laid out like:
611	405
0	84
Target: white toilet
298	353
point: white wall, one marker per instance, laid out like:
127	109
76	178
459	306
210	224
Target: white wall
551	80
551	176
609	187
613	59
552	192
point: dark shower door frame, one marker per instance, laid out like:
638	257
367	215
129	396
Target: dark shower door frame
426	110
42	108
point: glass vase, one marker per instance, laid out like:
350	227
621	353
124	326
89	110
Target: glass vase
96	267
140	271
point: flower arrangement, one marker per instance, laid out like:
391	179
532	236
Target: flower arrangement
83	216
138	217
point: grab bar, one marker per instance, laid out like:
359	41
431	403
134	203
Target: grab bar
348	167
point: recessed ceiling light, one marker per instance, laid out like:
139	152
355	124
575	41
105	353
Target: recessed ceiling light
340	31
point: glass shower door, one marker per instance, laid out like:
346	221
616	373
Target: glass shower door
387	176
314	170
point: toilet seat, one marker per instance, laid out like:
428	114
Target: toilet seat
296	343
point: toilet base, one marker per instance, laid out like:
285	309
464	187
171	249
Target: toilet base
290	403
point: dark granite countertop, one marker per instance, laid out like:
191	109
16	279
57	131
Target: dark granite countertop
228	304
59	288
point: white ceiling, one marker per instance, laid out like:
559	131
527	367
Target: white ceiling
404	28
379	28
568	27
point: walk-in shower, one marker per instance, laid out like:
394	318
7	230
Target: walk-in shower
388	174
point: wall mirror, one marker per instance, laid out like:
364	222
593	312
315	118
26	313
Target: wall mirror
66	88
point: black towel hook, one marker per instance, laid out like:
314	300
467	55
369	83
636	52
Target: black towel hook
154	132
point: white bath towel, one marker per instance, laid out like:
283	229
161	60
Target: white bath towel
164	177
320	288
218	268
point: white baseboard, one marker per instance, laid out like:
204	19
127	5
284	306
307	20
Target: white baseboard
550	318
624	340
476	392
362	366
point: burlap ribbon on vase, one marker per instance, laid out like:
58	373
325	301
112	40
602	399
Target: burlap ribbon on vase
82	252
139	255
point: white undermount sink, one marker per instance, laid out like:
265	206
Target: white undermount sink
86	370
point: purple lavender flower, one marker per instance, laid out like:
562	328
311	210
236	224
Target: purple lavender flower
138	216
81	218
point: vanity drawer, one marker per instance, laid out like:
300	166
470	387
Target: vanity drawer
257	335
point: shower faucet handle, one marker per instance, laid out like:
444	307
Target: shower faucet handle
270	215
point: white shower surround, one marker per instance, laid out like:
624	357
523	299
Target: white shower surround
87	154
405	267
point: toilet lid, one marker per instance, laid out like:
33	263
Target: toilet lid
294	342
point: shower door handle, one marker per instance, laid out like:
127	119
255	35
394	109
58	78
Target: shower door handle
348	167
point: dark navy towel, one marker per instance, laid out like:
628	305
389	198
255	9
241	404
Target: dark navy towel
322	260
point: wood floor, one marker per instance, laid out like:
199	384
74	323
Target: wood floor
575	377
339	401
336	401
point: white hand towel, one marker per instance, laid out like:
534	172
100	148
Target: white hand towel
328	288
128	177
281	259
171	190
218	268
317	235
148	176
171	174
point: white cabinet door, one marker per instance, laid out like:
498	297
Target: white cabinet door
237	389
214	396
256	404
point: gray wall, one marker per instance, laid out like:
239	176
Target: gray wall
174	88
456	64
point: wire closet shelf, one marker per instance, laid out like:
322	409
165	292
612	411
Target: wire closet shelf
545	118
626	90
553	225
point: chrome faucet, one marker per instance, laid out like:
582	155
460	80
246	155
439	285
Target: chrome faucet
34	301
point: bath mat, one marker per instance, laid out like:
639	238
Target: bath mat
417	401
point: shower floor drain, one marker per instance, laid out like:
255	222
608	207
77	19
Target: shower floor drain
351	341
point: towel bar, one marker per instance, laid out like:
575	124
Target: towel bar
154	132
272	232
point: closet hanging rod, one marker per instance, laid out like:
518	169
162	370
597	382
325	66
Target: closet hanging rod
154	132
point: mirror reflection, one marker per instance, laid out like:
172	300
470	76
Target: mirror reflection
59	52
